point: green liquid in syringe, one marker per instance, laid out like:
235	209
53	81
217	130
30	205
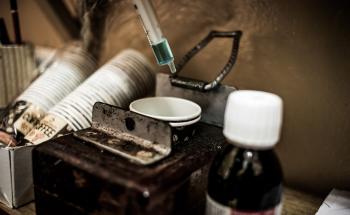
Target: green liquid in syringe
163	52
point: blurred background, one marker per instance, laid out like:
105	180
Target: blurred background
299	50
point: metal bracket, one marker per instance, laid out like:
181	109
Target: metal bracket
201	85
138	138
213	102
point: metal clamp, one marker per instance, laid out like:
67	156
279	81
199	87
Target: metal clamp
140	139
202	85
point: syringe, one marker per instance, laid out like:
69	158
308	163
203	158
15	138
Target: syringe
158	42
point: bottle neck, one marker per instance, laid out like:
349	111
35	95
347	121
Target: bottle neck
251	146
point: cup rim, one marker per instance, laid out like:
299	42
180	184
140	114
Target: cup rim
195	113
184	123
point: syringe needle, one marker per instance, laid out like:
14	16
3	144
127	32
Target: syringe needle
172	67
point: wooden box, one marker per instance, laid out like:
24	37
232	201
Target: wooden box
72	176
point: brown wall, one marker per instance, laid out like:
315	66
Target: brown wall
297	49
35	26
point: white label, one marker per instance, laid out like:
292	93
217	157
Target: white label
48	128
215	208
29	118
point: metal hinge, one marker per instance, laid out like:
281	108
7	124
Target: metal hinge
138	138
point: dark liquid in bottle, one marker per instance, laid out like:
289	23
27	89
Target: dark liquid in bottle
245	180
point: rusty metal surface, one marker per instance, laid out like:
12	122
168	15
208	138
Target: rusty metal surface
138	138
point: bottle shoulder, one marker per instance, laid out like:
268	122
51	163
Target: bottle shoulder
241	162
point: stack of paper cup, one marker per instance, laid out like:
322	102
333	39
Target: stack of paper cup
70	69
126	77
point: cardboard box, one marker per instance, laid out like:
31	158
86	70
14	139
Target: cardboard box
16	176
16	180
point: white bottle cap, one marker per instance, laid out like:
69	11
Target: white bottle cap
253	119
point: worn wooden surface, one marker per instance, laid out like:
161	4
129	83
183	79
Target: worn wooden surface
300	203
295	203
28	209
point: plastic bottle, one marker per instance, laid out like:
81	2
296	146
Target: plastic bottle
246	177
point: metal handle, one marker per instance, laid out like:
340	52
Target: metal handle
175	80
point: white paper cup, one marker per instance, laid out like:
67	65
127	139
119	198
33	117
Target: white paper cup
71	68
118	82
181	114
171	109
